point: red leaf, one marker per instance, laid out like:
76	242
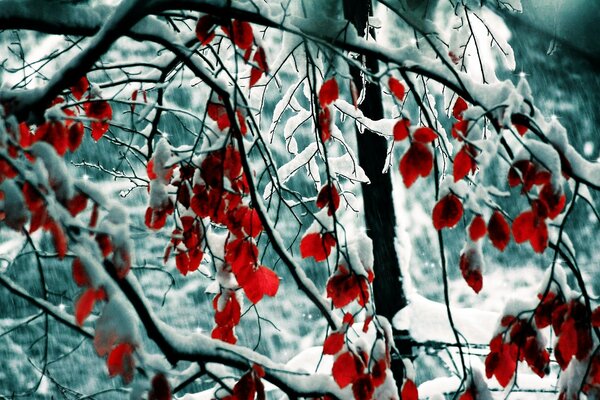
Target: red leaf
459	107
260	59
240	33
231	312
344	287
396	88
424	135
417	161
520	123
101	111
245	389
362	388
325	124
218	112
160	388
528	226
328	93
75	135
79	274
553	200
409	391
498	231
205	31
120	362
262	281
155	219
596	317
447	212
477	228
54	133
242	255
328	197
182	262
345	369
470	267
460	129
401	129
251	223
464	163
334	343
317	246
77	204
224	333
85	305
80	87
59	238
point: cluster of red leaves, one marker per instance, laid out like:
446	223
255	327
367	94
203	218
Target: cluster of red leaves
464	160
227	316
517	342
249	386
328	93
418	159
531	224
241	34
217	112
187	243
358	370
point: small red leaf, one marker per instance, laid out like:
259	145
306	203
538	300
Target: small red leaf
334	343
498	231
240	32
85	305
477	228
205	29
447	212
80	87
317	246
328	197
464	163
328	93
401	129
470	266
260	59
459	107
417	161
396	88
424	135
120	362
102	112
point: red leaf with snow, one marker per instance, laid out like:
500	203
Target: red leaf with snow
231	312
260	59
553	200
160	388
459	107
346	369
470	267
344	287
409	391
54	133
396	88
79	274
77	204
447	212
260	282
460	129
205	29
120	362
85	305
334	343
155	219
80	88
498	231
224	333
528	226
325	124
401	129
102	112
317	246
363	388
417	161
424	135
477	228
58	238
328	93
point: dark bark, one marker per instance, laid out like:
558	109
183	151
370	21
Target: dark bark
380	218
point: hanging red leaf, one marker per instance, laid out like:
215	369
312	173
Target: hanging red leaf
317	246
346	369
251	223
498	231
553	200
79	274
242	255
528	226
328	197
240	32
102	112
77	204
260	282
230	313
396	88
120	362
334	343
328	93
447	212
224	333
160	388
459	107
75	135
260	59
325	124
417	161
218	113
424	135
80	88
464	162
477	228
54	133
85	304
401	129
345	287
470	266
363	388
205	29
520	123
460	130
58	238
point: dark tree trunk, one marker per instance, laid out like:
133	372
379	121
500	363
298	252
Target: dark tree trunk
380	217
